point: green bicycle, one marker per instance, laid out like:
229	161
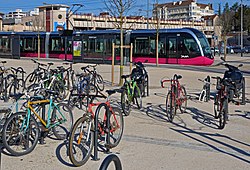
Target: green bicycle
131	93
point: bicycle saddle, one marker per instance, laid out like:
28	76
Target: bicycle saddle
178	77
125	76
16	96
50	63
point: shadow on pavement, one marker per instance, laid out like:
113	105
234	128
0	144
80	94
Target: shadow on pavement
204	138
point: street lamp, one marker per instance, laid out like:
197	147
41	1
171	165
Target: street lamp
241	28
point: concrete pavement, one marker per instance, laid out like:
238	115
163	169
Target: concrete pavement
150	142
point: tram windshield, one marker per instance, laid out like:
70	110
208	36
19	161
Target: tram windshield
204	44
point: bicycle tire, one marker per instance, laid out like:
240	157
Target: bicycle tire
170	106
125	103
30	79
147	84
17	87
243	94
202	96
223	114
13	137
116	125
99	82
217	104
59	87
111	158
138	97
183	97
62	130
79	146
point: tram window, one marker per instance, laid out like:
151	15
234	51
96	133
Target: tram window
84	45
29	44
162	46
172	45
108	49
190	44
91	45
99	46
5	45
69	47
140	45
57	45
144	46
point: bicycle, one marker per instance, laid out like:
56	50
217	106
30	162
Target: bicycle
7	78
39	73
81	139
176	97
131	93
142	81
221	100
96	78
21	130
78	93
7	110
205	92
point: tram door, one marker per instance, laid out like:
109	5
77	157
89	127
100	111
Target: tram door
172	52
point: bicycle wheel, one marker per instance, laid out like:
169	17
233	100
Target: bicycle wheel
125	103
17	87
81	141
17	138
146	85
223	114
243	92
30	79
62	120
170	106
137	97
183	99
59	87
99	82
202	96
116	125
217	104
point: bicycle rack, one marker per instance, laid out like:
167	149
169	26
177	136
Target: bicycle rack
96	133
205	90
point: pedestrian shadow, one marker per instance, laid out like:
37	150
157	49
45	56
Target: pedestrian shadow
205	138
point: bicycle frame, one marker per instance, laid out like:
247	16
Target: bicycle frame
91	114
130	87
47	124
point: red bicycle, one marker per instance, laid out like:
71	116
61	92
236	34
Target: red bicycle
176	97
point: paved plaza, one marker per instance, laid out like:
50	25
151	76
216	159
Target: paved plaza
150	142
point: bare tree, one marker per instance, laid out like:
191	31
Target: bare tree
37	25
119	9
226	24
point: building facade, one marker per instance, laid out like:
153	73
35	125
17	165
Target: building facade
54	17
188	10
1	21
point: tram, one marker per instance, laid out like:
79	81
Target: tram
186	46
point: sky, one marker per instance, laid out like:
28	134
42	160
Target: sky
97	6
